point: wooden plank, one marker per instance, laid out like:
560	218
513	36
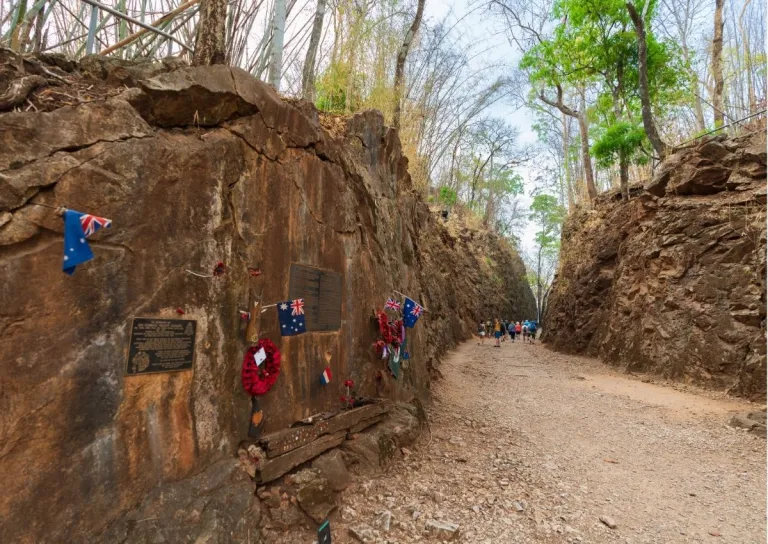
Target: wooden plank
272	469
289	439
349	417
282	442
356	428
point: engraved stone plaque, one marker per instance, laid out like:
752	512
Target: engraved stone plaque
161	345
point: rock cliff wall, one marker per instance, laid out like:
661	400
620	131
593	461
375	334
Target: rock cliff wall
673	281
196	166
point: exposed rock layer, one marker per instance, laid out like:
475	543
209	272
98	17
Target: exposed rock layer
672	282
196	166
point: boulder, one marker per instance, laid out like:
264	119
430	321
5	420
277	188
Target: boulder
331	466
315	495
376	447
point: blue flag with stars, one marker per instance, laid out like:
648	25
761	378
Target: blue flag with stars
77	227
291	316
411	312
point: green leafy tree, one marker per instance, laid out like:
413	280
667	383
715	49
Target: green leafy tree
548	215
596	47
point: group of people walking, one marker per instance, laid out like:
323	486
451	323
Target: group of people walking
501	327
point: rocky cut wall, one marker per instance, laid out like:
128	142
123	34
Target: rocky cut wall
195	166
673	281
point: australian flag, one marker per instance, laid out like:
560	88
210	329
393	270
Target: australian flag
291	316
77	227
411	312
392	304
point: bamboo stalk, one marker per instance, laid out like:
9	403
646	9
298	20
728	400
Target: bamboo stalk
165	18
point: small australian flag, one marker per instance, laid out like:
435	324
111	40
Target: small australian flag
291	316
77	227
411	312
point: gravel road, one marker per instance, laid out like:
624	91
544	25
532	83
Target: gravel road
532	446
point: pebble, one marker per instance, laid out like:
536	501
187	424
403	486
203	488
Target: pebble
384	521
608	521
363	533
442	530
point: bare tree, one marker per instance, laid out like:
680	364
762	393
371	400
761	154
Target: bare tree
581	116
684	15
717	64
278	37
308	73
402	55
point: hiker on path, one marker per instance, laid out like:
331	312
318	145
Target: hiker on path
511	330
481	333
525	331
497	332
532	331
519	330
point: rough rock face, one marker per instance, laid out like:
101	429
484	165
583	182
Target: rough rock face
672	282
196	166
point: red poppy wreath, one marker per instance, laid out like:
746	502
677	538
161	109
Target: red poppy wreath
258	379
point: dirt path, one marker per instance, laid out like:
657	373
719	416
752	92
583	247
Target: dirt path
532	446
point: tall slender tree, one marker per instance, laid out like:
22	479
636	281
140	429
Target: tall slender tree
642	54
308	72
402	55
717	65
278	37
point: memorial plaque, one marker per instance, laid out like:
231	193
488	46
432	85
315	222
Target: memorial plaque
161	345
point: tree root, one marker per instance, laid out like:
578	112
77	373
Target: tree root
19	90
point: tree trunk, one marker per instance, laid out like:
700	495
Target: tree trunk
586	158
747	59
20	20
624	176
39	20
717	64
402	55
308	74
210	43
489	206
581	115
278	37
698	111
452	171
642	52
567	163
539	288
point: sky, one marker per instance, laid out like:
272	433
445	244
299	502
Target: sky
481	24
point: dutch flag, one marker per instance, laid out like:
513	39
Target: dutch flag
325	378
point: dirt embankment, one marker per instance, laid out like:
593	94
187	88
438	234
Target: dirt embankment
196	166
672	282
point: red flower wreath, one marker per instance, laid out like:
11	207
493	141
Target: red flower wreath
384	328
257	380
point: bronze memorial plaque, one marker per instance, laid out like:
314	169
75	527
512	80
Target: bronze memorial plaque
161	345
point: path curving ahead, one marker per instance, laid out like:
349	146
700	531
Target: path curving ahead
532	446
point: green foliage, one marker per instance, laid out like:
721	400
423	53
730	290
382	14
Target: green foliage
505	181
620	138
547	212
447	197
594	47
333	86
